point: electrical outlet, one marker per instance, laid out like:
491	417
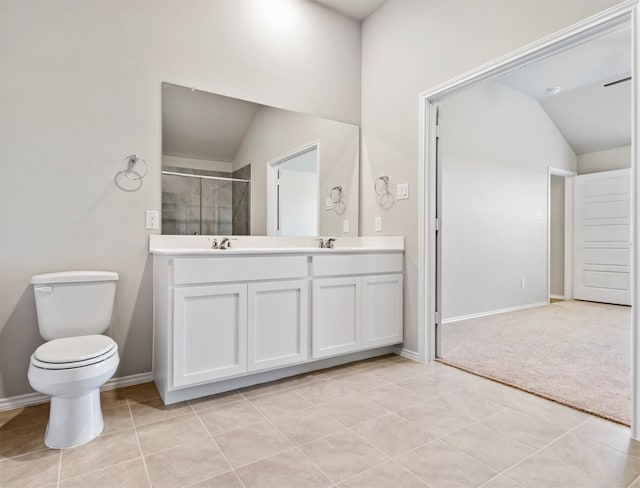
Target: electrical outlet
378	224
539	215
345	226
152	219
402	191
523	283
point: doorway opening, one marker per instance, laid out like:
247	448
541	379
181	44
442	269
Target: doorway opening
293	193
533	285
560	234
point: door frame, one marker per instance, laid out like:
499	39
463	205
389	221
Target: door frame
605	21
568	230
272	192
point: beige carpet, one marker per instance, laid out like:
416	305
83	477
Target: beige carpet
577	353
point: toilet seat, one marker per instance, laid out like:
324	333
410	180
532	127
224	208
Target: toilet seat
74	352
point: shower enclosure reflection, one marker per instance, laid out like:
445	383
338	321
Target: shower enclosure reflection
205	202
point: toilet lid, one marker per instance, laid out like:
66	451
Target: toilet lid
74	349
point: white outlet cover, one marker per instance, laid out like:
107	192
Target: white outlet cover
345	226
152	219
378	224
539	215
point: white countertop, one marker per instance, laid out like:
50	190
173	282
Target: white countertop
243	245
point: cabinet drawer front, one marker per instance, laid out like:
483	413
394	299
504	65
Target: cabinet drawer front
241	268
357	264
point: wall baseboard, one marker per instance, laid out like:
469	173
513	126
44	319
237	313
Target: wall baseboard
37	398
406	353
493	312
558	297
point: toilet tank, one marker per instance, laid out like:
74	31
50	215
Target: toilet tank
74	303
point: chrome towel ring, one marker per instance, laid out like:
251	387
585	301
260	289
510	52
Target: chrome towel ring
129	164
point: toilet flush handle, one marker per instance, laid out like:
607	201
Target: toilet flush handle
44	289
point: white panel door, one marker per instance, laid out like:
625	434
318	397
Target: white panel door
602	237
278	324
382	304
210	333
337	316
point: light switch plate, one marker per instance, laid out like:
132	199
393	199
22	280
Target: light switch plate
328	204
378	224
402	191
152	219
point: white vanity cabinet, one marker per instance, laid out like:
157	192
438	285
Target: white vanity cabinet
226	316
357	302
234	318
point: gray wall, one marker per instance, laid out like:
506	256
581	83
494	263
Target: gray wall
274	133
409	46
607	160
81	90
496	146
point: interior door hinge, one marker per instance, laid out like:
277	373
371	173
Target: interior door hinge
437	224
437	130
436	318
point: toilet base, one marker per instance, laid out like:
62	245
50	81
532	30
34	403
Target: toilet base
74	420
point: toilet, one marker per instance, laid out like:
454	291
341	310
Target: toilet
74	310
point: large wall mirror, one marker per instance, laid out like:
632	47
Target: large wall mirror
233	167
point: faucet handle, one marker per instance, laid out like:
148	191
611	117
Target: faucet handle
225	243
321	243
214	242
330	242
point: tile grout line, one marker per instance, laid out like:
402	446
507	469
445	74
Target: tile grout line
233	470
570	431
135	431
59	481
304	454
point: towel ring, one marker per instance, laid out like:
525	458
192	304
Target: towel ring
336	194
129	163
381	186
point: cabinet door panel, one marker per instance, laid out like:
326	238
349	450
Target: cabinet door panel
278	324
337	320
210	327
382	323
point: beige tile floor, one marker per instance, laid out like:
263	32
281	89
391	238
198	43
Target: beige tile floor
386	423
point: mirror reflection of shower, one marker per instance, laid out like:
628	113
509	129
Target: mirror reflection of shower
201	202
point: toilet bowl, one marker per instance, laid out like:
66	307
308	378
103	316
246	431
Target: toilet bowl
74	308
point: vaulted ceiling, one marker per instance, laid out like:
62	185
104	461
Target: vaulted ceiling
591	116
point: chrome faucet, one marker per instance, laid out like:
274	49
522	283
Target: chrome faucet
214	243
329	243
225	243
321	243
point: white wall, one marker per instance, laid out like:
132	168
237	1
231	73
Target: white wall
81	90
409	46
556	236
275	133
496	145
298	203
608	160
201	164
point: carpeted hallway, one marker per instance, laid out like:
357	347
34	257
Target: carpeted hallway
577	353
